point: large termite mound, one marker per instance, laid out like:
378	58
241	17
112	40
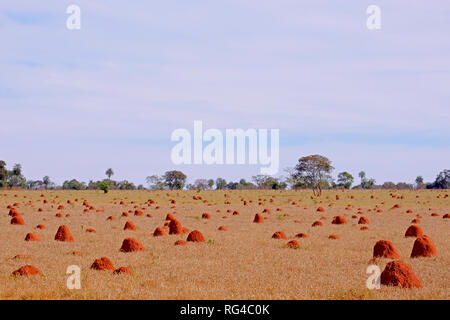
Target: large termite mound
339	220
414	231
399	274
424	247
102	264
195	236
63	234
27	270
131	245
385	249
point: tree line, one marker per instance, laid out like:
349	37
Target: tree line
311	172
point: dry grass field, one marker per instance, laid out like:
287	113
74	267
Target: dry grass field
243	262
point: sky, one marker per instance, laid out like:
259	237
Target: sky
74	103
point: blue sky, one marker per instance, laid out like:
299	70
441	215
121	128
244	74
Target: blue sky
75	103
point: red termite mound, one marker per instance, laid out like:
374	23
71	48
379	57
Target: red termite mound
63	234
398	273
195	236
91	230
131	245
13	212
159	232
175	227
320	209
446	216
364	228
414	231
40	226
423	247
279	235
138	213
416	221
339	220
170	217
333	237
102	264
180	243
317	224
223	228
18	220
31	237
129	225
301	235
363	220
293	244
123	270
27	270
206	215
385	249
435	215
258	218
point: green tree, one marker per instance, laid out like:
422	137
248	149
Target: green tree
15	179
73	185
314	171
345	180
442	181
46	181
155	182
210	183
174	179
419	182
221	183
362	176
267	182
125	185
366	183
109	173
104	185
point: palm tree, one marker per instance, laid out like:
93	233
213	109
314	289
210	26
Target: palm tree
109	173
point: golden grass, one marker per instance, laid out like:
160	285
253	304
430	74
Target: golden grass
241	263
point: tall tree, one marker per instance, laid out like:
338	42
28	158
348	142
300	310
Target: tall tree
46	181
442	181
345	180
419	182
109	173
362	176
174	179
221	183
15	177
315	171
155	182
